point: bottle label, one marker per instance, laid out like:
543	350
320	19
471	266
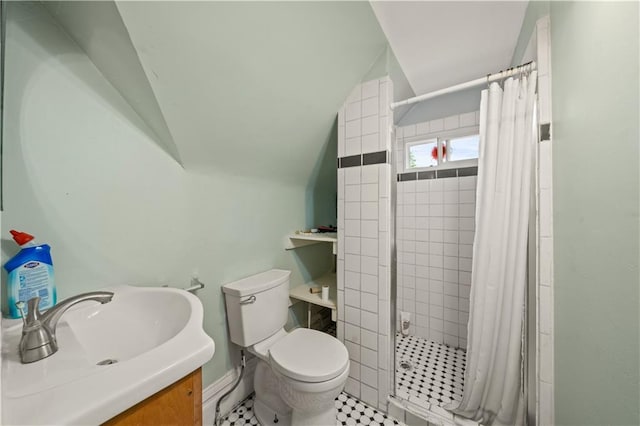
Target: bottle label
30	280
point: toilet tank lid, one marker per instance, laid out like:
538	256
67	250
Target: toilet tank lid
256	283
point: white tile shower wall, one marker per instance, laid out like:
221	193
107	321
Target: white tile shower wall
545	338
435	244
364	241
435	231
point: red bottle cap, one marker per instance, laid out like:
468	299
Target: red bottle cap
21	237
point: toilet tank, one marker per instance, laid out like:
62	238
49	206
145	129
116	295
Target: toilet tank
257	306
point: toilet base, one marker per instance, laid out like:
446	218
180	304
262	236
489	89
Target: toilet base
271	410
268	417
269	407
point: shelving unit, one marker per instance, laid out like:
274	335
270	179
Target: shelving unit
301	292
301	240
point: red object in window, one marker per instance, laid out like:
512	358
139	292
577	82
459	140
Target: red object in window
434	152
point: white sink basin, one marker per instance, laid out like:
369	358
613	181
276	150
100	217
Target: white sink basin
148	337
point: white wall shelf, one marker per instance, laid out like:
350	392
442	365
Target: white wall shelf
301	292
300	240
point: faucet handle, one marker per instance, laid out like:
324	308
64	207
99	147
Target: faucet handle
33	313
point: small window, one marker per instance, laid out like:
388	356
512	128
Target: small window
465	148
440	151
420	154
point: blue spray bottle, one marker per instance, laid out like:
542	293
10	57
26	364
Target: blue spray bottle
30	274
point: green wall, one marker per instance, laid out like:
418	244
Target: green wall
256	81
83	174
595	154
322	189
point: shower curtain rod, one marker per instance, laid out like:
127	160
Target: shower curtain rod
529	66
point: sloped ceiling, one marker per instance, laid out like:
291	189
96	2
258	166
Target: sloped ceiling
97	28
252	88
442	43
249	88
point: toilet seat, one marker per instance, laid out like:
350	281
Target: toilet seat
309	356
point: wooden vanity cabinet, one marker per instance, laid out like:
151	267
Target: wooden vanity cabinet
177	404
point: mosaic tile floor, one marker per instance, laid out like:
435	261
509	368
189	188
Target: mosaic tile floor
351	411
429	372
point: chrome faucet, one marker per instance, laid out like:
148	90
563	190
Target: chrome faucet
39	330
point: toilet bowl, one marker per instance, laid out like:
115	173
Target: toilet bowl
300	373
299	376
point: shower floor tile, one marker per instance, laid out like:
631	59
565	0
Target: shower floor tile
429	372
351	411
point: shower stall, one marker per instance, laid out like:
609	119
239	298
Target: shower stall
459	172
439	248
467	252
434	242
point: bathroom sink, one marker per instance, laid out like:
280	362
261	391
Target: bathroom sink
110	357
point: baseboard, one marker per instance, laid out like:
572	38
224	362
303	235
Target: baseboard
214	391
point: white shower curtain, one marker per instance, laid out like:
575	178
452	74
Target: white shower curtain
493	384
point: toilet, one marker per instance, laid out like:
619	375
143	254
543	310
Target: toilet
299	373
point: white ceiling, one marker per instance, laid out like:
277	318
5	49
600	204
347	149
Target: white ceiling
439	44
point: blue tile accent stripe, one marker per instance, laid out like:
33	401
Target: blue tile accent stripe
374	158
380	157
468	171
351	161
403	177
438	174
446	173
427	175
